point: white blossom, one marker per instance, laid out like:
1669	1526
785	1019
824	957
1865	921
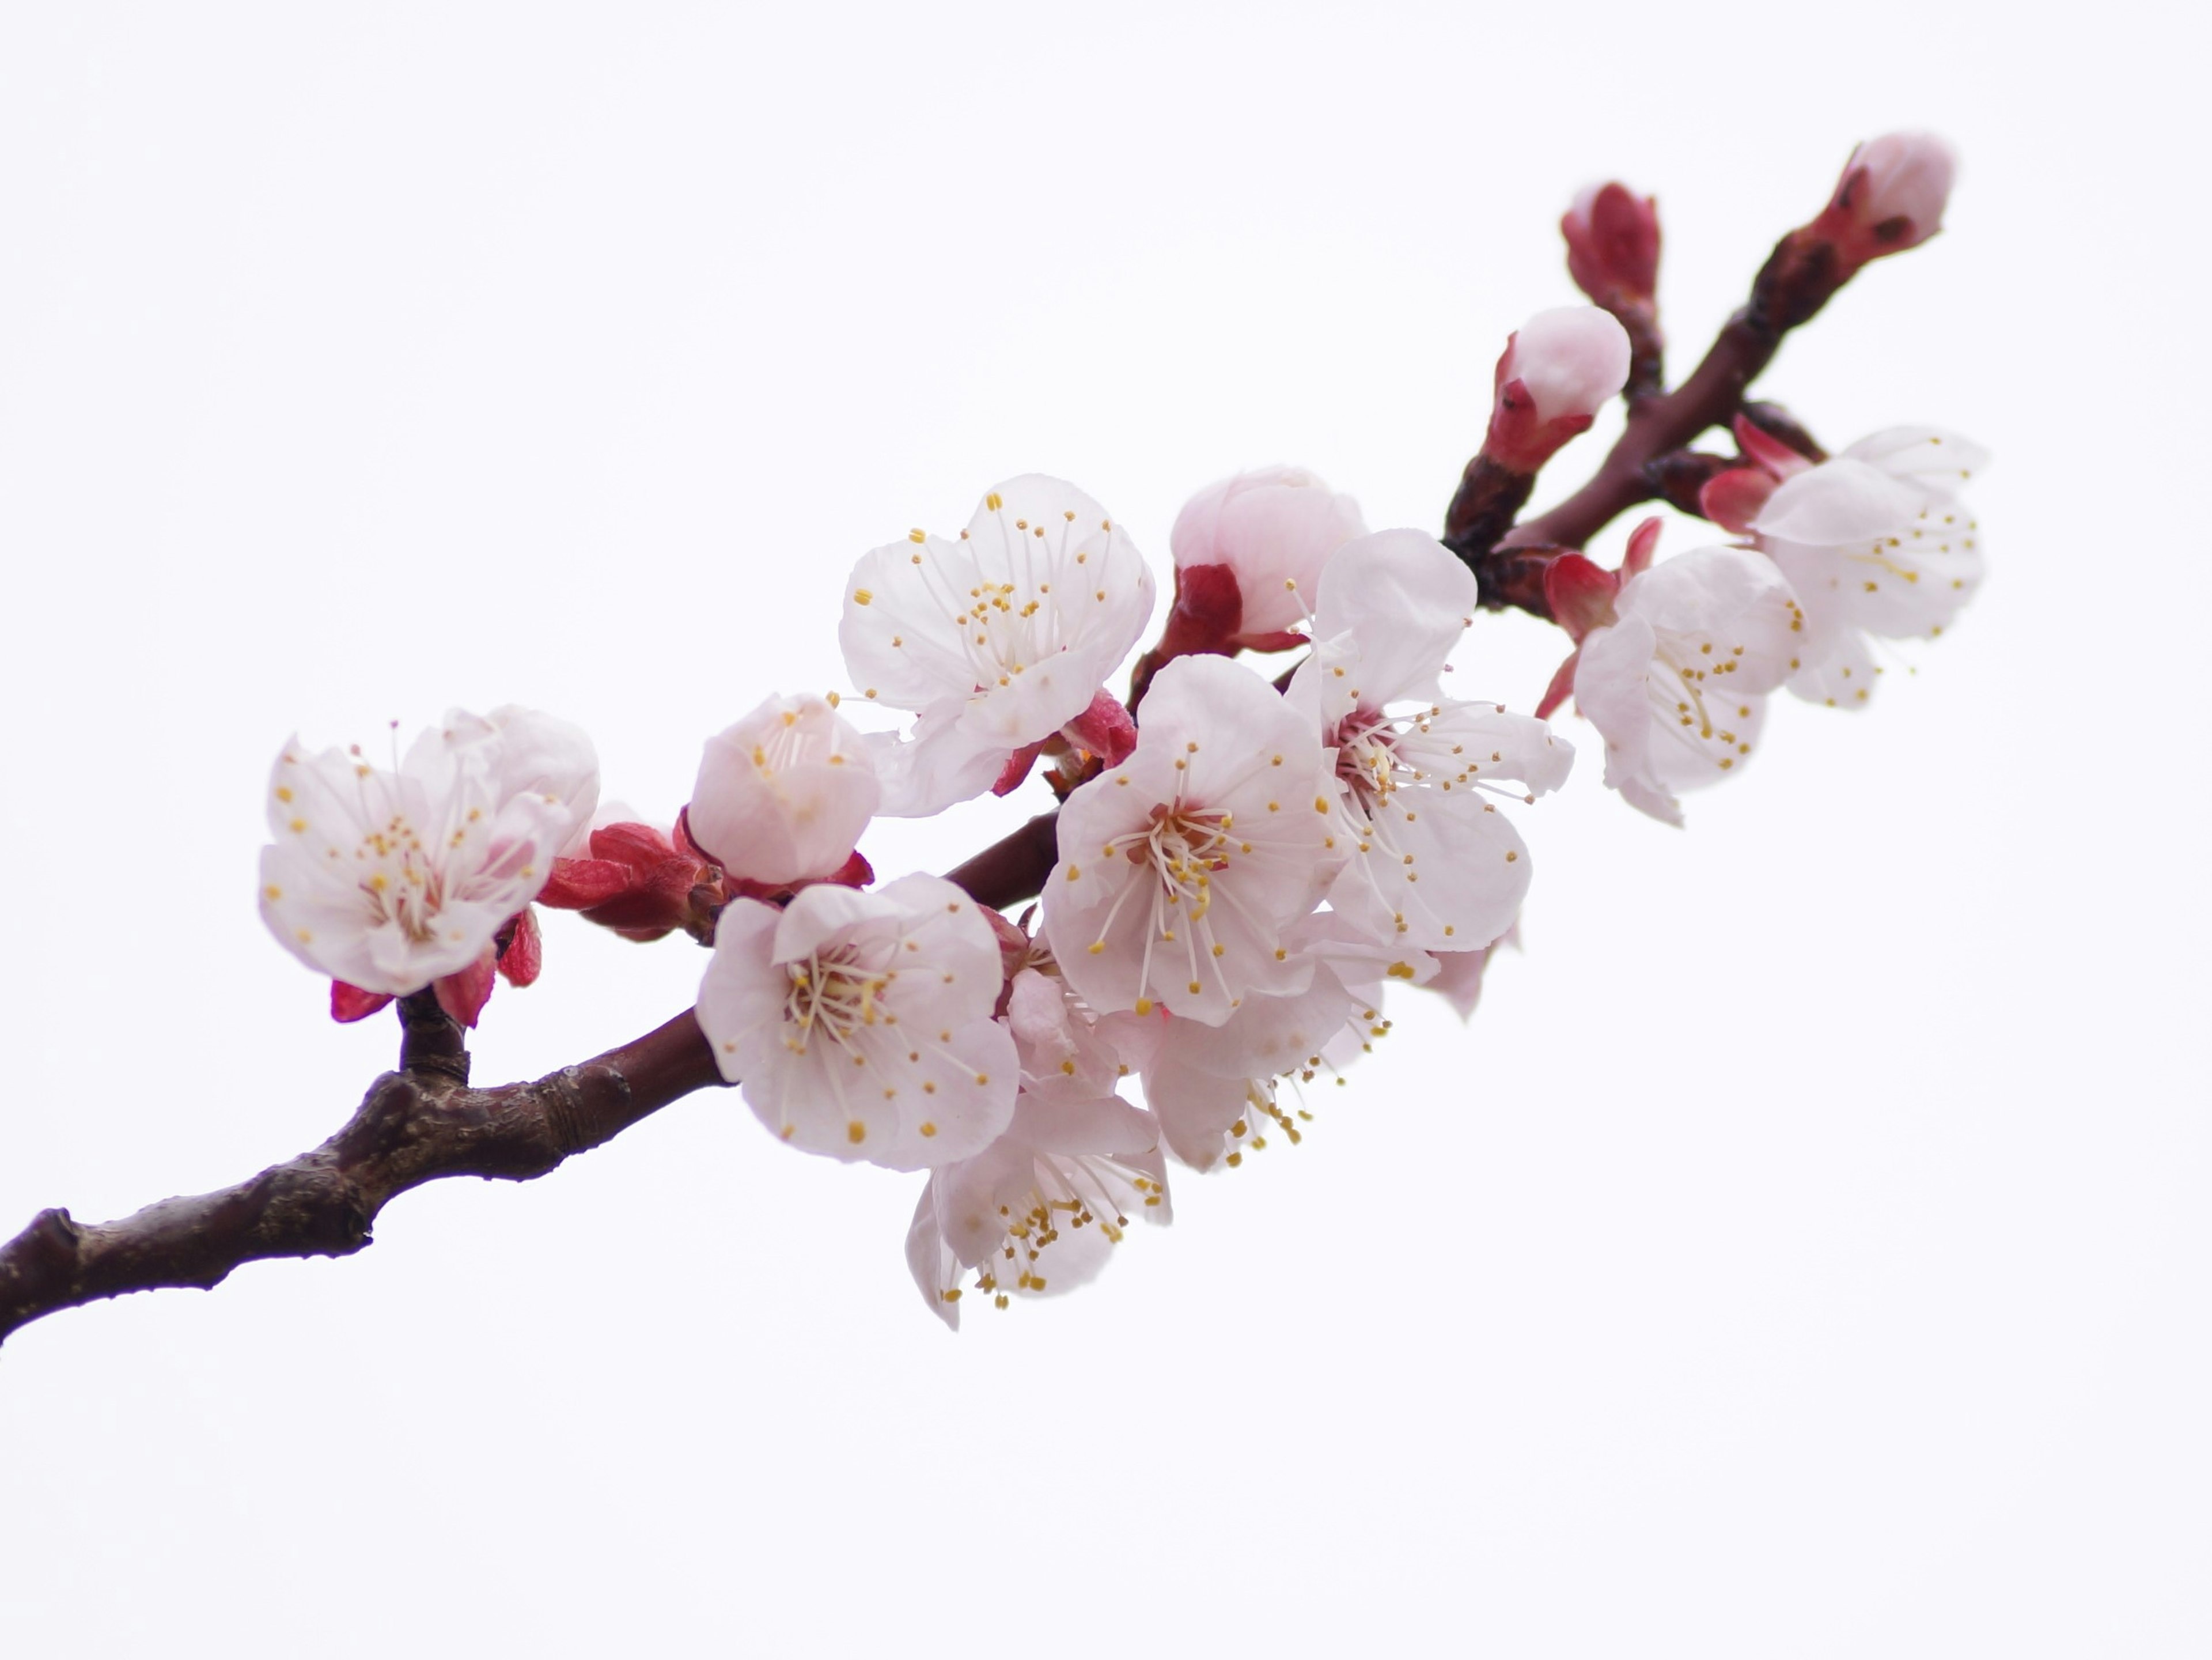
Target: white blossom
1674	682
1179	868
1875	542
389	879
1217	1090
860	1025
1040	1211
996	640
1433	864
784	794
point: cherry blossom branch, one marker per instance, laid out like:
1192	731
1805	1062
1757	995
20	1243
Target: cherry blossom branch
1804	271
421	1123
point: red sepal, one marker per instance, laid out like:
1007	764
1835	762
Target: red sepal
1018	768
351	1003
1106	730
1562	686
1768	451
524	959
1579	594
1642	542
463	995
580	883
1733	499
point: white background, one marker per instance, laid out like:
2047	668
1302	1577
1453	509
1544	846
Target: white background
1804	1252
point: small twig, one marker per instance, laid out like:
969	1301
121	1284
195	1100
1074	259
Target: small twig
1800	276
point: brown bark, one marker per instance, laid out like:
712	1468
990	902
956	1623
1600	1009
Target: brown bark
421	1123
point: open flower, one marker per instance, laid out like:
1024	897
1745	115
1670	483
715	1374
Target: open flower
1875	542
1040	1210
1671	670
997	640
860	1024
783	795
1179	868
1217	1090
1433	864
391	880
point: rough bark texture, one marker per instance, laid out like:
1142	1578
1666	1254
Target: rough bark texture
421	1123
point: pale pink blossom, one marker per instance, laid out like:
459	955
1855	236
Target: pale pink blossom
1218	1090
538	754
784	794
997	640
1179	868
1675	681
860	1025
1273	528
1877	543
1040	1210
392	879
1418	776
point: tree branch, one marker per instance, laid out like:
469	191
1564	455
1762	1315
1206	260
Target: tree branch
1800	276
421	1123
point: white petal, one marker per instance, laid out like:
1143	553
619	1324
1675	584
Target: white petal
1405	600
1839	500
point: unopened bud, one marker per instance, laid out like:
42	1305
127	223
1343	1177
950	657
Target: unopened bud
1274	528
1613	246
1573	361
1891	197
1558	372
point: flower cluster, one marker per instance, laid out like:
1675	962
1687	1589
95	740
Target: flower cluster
1241	869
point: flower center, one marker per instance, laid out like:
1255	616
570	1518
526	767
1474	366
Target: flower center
403	885
833	993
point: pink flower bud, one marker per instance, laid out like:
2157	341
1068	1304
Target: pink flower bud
1274	528
1557	373
1613	246
1891	197
1573	361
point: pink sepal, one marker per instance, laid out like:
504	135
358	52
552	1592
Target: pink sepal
1286	640
351	1003
580	883
463	995
1562	686
1732	499
1642	542
1580	594
1770	451
524	959
1106	730
1018	768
